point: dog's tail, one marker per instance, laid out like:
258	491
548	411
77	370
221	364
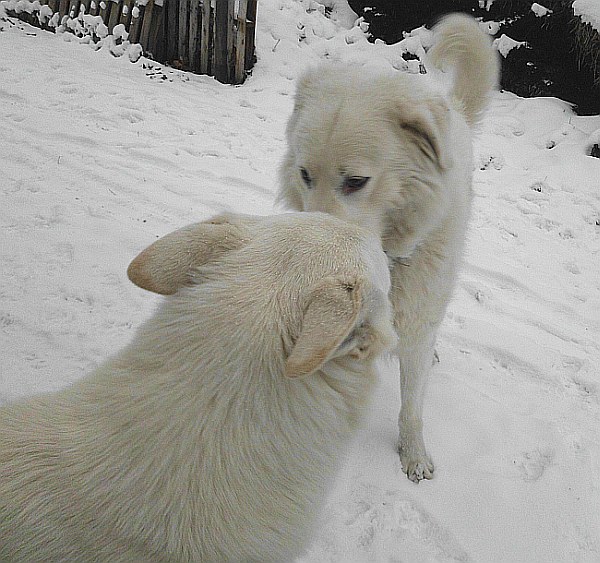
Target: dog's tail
459	43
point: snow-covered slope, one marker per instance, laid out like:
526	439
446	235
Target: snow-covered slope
99	156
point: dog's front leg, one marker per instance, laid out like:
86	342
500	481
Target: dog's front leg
415	362
419	300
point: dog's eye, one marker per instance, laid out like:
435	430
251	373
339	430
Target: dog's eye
353	184
306	177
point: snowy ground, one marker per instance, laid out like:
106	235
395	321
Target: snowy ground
99	156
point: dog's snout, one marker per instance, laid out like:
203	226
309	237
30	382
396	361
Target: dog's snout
324	201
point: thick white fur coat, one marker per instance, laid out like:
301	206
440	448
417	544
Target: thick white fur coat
214	435
393	154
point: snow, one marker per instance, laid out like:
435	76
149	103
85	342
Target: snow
99	156
505	44
588	11
540	10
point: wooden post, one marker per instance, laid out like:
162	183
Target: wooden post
104	13
63	8
115	14
231	28
135	25
158	31
126	13
73	9
94	8
250	33
220	41
145	26
205	41
240	44
171	29
184	31
85	6
195	30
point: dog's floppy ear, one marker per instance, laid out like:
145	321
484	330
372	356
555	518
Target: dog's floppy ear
332	312
427	129
165	265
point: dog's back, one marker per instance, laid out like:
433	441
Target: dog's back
214	434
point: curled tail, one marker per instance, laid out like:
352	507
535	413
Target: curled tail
460	44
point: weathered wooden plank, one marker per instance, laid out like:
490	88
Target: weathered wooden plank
230	30
239	73
158	32
221	71
195	30
63	8
126	9
74	9
105	8
146	15
135	25
250	33
115	14
171	30
85	5
183	54
205	54
94	8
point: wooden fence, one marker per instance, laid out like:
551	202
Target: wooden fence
214	37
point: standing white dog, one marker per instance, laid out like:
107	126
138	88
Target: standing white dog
215	434
393	155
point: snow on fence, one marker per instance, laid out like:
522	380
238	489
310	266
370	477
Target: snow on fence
214	37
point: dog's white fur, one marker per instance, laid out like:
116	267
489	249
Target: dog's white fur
413	144
213	436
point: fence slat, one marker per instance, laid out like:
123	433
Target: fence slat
126	13
115	12
105	6
240	43
86	6
135	25
172	30
220	41
205	55
63	8
158	30
194	38
145	26
250	33
73	9
231	27
183	24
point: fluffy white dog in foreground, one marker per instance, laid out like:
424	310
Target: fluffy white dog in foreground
393	154
214	435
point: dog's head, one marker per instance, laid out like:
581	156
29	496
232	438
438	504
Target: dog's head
318	285
369	149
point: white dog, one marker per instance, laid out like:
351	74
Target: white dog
392	154
214	435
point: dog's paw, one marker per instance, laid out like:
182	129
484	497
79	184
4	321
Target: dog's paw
417	466
418	469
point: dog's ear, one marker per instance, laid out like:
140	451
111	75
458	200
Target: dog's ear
165	265
332	312
427	129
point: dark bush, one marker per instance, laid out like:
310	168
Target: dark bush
556	61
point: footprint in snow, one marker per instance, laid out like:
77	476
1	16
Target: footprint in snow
377	525
532	465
